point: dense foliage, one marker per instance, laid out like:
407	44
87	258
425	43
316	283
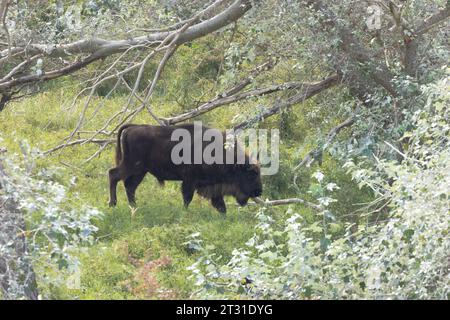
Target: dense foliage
403	256
56	227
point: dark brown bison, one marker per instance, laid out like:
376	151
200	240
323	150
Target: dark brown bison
144	148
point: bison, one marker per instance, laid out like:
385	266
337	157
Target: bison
145	148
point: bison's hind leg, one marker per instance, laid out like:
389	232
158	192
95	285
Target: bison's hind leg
114	178
187	189
131	184
219	204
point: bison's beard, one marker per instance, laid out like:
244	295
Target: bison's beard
224	189
242	200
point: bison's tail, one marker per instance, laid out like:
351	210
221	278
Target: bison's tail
119	155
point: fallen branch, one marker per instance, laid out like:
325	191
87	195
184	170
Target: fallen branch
169	45
229	96
308	90
282	202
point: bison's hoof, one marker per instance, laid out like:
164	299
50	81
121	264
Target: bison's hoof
112	203
186	203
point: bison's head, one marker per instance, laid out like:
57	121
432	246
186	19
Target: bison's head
249	182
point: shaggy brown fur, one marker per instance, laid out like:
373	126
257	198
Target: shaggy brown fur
220	190
143	148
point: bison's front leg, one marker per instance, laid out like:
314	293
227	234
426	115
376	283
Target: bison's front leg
219	204
131	184
187	189
114	178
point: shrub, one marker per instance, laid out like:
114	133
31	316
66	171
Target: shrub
406	256
49	228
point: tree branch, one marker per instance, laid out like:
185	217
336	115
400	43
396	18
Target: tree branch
100	48
412	42
307	90
281	202
433	20
79	142
354	48
231	95
317	152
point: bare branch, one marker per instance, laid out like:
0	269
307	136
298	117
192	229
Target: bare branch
221	101
79	142
19	67
432	21
169	44
231	95
316	153
101	48
281	202
307	91
7	85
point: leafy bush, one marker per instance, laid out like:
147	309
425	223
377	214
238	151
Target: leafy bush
52	228
405	256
